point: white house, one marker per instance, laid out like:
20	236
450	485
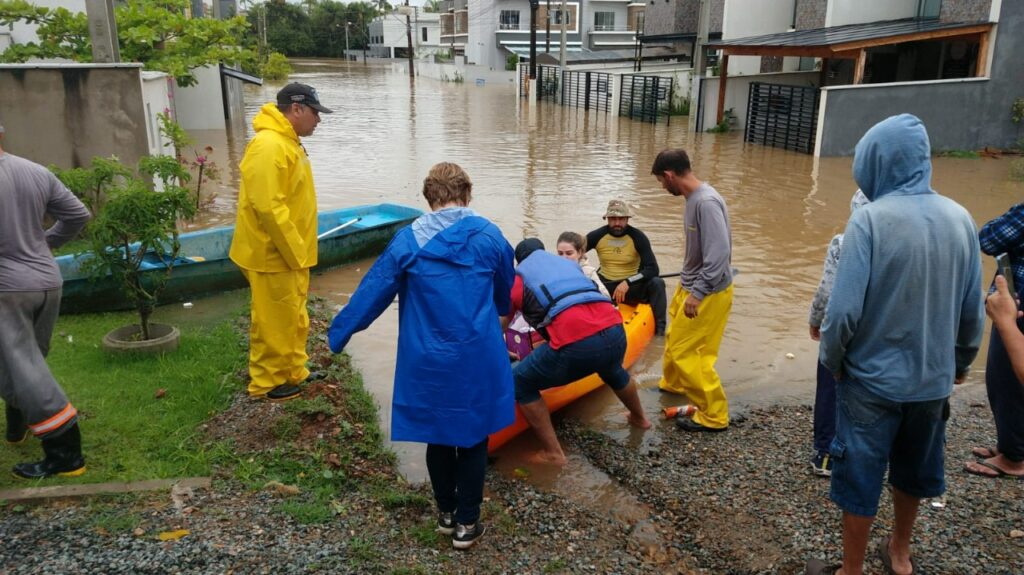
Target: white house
388	34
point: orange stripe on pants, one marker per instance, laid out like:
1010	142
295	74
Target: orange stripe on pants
280	327
691	350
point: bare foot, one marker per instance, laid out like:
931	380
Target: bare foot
548	458
995	467
640	422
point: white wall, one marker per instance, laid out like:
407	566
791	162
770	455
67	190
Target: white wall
201	106
737	94
22	33
842	12
744	18
156	99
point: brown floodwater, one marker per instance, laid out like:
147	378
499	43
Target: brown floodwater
538	171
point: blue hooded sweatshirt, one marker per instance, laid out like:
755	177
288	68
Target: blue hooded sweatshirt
907	312
452	272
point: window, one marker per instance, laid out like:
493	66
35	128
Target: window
508	20
424	33
604	20
556	17
928	8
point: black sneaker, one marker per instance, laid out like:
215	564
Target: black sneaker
445	523
283	392
467	535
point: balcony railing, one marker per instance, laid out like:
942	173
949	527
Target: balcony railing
612	28
512	26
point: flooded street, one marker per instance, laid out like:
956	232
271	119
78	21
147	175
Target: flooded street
540	171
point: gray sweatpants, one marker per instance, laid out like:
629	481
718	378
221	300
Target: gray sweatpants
27	319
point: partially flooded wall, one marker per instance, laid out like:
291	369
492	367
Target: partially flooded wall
65	114
964	114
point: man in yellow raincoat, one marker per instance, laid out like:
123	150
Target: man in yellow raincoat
700	308
275	240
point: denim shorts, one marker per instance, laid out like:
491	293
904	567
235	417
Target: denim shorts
873	434
599	353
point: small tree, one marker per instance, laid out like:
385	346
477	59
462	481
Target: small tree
90	184
134	223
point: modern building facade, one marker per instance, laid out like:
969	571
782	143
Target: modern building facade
388	38
488	32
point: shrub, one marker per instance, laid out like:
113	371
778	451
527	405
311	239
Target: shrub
276	68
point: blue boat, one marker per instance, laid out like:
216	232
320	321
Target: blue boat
203	266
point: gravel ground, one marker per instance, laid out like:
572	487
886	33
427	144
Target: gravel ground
740	502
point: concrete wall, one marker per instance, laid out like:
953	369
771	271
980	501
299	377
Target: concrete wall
738	91
200	107
88	110
965	10
964	114
842	12
156	88
810	14
744	18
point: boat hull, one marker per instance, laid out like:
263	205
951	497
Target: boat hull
208	269
639	325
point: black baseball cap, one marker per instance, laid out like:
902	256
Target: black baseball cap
296	93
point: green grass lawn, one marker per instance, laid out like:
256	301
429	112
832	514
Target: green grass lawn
128	433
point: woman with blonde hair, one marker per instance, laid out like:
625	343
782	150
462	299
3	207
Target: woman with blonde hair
573	246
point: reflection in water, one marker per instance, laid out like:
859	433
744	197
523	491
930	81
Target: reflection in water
546	169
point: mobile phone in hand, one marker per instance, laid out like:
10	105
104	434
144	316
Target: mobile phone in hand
1004	269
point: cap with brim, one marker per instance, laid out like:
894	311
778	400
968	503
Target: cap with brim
296	93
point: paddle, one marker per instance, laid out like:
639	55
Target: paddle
338	229
735	272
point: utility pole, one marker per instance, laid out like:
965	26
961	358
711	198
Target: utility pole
547	27
346	40
102	31
561	51
408	37
533	38
699	58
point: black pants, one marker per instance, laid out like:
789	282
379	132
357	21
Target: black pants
1006	398
651	291
457	477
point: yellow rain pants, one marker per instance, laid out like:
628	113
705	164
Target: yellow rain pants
280	326
691	350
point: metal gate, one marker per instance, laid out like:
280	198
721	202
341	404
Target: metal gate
548	83
645	97
782	116
524	80
587	90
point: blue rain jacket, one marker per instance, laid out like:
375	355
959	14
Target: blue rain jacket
452	271
906	313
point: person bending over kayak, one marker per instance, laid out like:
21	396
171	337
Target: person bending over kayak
584	334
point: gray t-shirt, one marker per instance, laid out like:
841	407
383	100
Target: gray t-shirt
707	269
28	193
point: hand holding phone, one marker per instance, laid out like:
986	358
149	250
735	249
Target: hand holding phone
1003	268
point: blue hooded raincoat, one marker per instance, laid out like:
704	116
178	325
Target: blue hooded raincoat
906	313
452	271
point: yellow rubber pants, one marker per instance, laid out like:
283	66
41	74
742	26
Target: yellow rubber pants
691	350
280	326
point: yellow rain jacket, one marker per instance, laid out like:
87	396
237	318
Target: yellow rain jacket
276	226
275	245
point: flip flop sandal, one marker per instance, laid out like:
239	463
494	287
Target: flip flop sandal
984	452
883	554
1000	473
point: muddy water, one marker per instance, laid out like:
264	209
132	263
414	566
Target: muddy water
540	171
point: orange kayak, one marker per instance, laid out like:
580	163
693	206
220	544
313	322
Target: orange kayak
639	324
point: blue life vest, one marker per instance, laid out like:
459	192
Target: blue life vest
554	284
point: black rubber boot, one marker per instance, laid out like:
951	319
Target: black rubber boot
63	457
17	430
